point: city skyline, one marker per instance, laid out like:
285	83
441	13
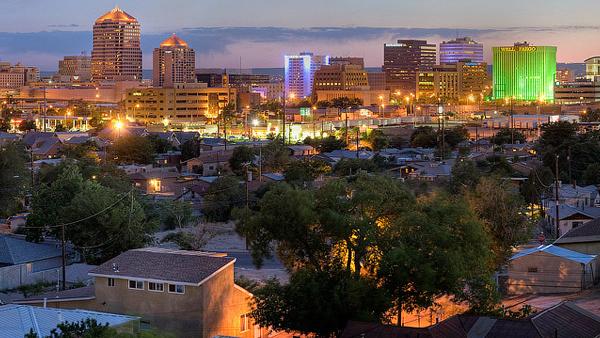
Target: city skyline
222	36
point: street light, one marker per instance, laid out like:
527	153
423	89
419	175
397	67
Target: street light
119	126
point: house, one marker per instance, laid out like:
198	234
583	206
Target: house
168	136
401	156
169	159
6	138
337	155
585	239
209	163
32	136
23	263
185	136
188	293
273	177
428	171
161	181
19	320
301	150
550	269
570	217
574	195
66	136
565	320
12	223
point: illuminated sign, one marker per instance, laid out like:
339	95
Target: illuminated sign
518	49
305	111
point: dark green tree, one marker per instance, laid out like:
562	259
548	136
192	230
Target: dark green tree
133	149
222	196
456	135
160	145
326	144
350	166
591	115
465	176
241	157
591	174
505	136
275	156
14	178
304	171
425	137
27	125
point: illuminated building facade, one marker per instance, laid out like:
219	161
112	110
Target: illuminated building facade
403	60
460	82
341	77
577	92
347	60
564	76
592	68
76	68
183	104
116	55
17	76
461	49
173	62
524	72
299	73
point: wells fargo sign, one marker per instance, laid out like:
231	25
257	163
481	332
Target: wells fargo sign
518	49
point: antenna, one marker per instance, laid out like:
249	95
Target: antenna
115	267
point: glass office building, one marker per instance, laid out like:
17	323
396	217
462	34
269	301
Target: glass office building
461	49
524	72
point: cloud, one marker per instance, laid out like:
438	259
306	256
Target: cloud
73	25
265	46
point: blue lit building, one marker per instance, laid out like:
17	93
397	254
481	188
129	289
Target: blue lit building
461	49
299	73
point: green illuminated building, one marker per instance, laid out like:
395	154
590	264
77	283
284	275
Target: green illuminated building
524	72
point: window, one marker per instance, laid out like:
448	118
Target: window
136	284
577	224
111	282
532	269
176	288
158	287
244	322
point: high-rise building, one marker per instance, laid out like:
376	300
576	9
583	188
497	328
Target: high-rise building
564	75
173	62
592	68
577	92
341	77
461	49
76	68
347	60
524	72
17	76
460	82
299	73
403	60
116	55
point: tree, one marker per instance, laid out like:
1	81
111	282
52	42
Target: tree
557	133
240	158
27	125
133	149
424	137
433	250
301	172
503	212
464	176
222	196
177	214
506	136
349	166
345	102
456	135
160	145
14	178
319	302
592	174
591	115
275	156
102	222
194	240
327	144
376	140
538	182
190	149
59	127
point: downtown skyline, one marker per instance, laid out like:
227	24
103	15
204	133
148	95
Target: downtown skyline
221	36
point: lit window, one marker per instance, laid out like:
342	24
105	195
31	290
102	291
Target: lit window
111	282
532	269
158	287
136	284
176	288
244	322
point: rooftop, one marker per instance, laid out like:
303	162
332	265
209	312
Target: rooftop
156	264
589	231
173	41
18	320
16	250
117	15
556	251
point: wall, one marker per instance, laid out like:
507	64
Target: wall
554	275
592	248
16	275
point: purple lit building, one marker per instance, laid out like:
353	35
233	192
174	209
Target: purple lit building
461	49
299	73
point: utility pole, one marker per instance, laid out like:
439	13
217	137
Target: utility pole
569	161
357	141
347	139
283	115
64	258
512	123
556	199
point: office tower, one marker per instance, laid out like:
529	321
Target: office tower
173	62
402	62
76	68
592	68
524	72
116	55
341	77
376	80
347	60
461	49
17	76
460	82
299	73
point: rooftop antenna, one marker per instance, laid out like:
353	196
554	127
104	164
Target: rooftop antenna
115	267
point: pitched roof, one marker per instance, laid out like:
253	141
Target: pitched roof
589	231
374	330
16	250
567	320
17	320
179	266
565	211
556	251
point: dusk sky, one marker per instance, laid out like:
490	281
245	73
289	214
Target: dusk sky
39	32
